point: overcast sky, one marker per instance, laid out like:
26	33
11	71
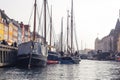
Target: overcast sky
92	17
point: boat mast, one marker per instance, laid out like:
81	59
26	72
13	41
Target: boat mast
61	34
67	28
71	26
119	14
34	20
45	21
50	29
29	64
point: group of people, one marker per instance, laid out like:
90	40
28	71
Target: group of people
72	54
6	43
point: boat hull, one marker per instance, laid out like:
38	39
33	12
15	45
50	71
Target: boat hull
32	54
53	58
69	60
52	62
36	61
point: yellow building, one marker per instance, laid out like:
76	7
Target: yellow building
1	28
5	32
1	31
10	34
0	17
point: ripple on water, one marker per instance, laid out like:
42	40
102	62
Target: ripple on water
86	70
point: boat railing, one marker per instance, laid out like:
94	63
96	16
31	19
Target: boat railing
7	47
8	55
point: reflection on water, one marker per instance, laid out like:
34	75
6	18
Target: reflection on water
86	70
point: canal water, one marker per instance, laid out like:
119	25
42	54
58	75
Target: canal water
86	70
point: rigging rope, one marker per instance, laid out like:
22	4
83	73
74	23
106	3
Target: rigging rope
76	37
48	19
53	31
40	17
30	15
48	9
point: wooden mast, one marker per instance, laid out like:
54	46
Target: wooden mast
119	14
34	21
72	26
67	28
50	30
35	4
61	34
45	21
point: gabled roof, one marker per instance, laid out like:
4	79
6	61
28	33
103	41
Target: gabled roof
15	23
4	16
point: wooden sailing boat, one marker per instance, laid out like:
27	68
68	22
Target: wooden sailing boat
73	57
34	53
53	56
65	59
